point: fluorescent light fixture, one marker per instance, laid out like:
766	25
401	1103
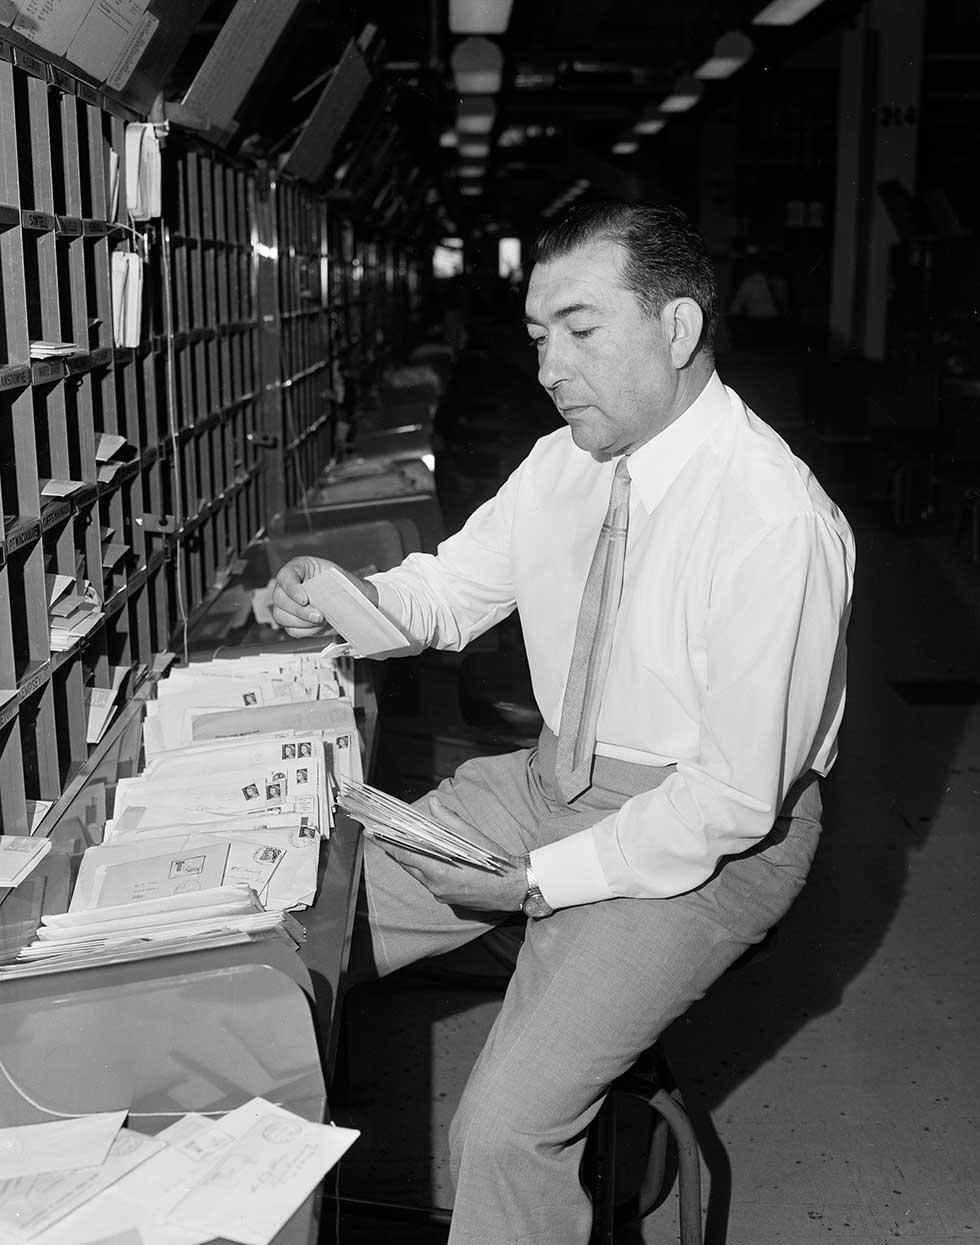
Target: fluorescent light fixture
686	93
476	114
477	67
448	138
471	189
530	79
479	17
650	123
785	12
474	149
471	170
625	147
730	53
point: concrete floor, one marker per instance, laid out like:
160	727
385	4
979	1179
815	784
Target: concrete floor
834	1083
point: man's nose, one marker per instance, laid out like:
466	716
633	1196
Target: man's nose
552	365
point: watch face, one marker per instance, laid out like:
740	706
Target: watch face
535	905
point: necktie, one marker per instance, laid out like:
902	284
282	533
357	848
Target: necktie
593	642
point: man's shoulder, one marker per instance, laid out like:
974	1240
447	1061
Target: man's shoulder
766	474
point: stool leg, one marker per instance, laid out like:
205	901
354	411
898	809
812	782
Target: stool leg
652	1188
689	1166
603	1191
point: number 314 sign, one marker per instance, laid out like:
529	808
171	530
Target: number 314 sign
898	115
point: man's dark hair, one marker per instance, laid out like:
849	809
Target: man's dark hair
666	257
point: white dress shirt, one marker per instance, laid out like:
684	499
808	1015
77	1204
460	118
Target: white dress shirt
728	657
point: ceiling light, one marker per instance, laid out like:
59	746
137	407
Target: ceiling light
513	136
479	17
471	170
477	67
731	52
471	189
625	147
474	149
476	114
784	12
650	123
448	138
686	93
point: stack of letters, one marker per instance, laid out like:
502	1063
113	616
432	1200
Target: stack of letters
74	609
218	838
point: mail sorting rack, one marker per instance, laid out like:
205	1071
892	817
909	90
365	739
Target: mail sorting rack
375	301
210	351
390	278
309	397
346	303
151	530
61	153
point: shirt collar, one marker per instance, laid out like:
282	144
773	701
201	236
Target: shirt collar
658	463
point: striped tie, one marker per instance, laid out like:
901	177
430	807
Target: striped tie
593	642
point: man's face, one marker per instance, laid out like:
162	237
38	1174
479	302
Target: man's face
605	363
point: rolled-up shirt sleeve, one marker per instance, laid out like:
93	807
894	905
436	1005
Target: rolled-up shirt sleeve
773	685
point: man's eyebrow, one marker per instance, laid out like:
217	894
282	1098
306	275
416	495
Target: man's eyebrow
564	312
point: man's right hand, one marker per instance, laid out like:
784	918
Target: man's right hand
290	604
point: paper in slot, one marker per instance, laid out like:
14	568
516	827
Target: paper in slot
143	170
127	298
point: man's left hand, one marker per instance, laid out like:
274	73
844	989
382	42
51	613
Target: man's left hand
463	885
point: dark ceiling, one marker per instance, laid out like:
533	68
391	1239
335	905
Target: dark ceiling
577	75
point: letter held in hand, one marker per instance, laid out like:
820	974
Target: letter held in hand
369	632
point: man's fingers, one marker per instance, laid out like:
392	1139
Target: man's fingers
408	861
291	612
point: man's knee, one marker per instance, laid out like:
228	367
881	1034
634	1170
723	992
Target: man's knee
504	1132
487	1140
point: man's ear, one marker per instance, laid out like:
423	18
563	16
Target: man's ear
682	320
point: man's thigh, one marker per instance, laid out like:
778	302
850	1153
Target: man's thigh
596	985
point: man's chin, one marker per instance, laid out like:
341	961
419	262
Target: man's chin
591	444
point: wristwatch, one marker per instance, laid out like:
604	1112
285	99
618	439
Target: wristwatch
534	905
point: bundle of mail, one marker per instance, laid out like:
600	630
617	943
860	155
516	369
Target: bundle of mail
390	820
87	1179
217	839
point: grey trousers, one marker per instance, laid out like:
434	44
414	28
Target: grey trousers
594	985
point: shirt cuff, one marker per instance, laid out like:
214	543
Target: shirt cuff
569	871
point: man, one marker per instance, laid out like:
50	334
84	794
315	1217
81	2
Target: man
670	812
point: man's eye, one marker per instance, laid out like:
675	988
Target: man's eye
535	342
582	332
